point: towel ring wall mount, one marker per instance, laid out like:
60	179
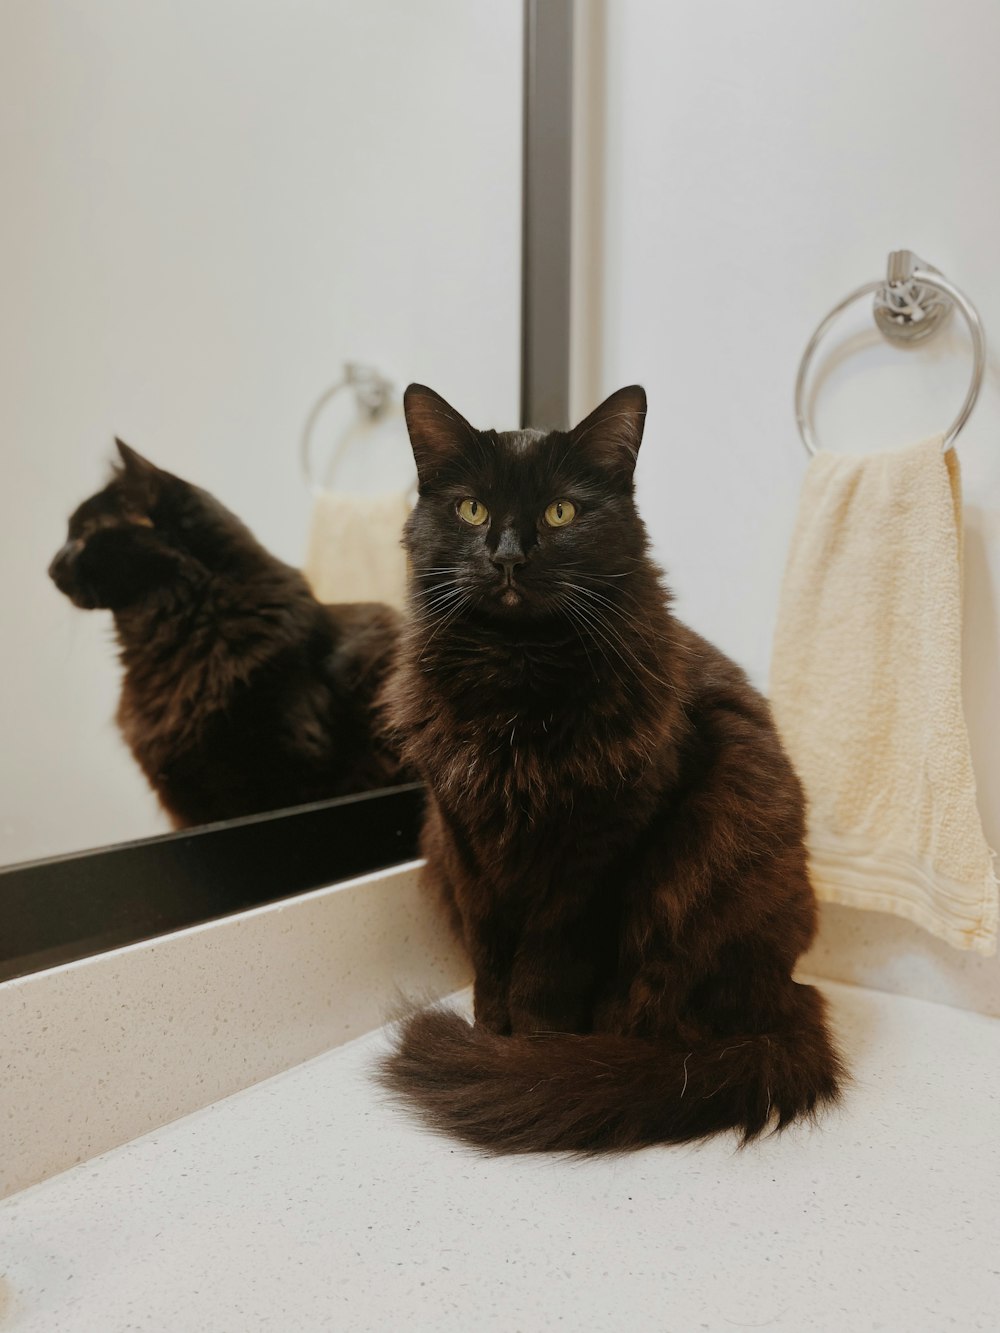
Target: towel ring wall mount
912	303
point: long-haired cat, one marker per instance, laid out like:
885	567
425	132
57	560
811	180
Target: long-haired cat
611	817
241	693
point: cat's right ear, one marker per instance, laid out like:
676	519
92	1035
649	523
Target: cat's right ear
613	432
437	432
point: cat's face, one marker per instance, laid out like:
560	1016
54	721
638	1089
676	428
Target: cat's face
145	529
522	525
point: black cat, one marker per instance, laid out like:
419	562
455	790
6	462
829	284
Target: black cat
611	818
241	692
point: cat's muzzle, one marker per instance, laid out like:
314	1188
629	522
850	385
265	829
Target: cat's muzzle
62	572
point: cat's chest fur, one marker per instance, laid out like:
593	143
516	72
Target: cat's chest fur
188	664
514	753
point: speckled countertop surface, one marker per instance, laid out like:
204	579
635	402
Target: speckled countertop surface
305	1203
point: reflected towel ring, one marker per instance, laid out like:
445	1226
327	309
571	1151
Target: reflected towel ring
911	303
372	395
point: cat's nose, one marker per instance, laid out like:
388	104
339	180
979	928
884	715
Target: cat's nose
509	554
63	557
508	567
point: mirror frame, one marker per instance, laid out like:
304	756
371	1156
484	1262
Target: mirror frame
65	908
70	907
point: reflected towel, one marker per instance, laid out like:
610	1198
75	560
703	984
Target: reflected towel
866	691
354	552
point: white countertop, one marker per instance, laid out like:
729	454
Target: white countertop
307	1203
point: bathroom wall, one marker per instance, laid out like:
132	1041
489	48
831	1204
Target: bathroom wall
740	169
207	208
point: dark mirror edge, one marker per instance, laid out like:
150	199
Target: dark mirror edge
66	908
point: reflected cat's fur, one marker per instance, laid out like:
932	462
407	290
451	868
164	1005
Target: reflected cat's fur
614	825
241	693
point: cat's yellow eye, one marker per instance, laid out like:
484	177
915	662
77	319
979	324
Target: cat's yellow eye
560	513
474	512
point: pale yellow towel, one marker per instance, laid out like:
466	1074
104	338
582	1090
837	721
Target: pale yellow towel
354	552
866	690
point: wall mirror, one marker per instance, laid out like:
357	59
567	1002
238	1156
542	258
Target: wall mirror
233	232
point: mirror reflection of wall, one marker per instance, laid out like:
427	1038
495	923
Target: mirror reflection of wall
202	225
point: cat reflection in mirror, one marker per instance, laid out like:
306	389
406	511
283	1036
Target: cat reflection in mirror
612	820
240	692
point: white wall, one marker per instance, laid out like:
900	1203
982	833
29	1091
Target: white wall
749	165
208	205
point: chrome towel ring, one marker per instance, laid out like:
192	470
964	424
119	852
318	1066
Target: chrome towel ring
911	303
372	397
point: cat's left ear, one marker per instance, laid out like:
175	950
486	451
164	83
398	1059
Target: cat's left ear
437	432
613	432
142	477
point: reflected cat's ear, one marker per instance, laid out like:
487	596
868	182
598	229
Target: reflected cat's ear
142	477
437	432
134	462
613	432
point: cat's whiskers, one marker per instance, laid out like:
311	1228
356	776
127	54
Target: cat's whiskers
643	748
629	620
603	607
583	573
576	615
591	583
441	604
600	625
576	630
464	600
427	571
427	595
425	598
455	603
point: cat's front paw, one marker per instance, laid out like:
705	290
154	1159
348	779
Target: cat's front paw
495	1021
491	1012
553	1017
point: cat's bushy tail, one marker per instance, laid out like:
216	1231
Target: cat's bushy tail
603	1092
